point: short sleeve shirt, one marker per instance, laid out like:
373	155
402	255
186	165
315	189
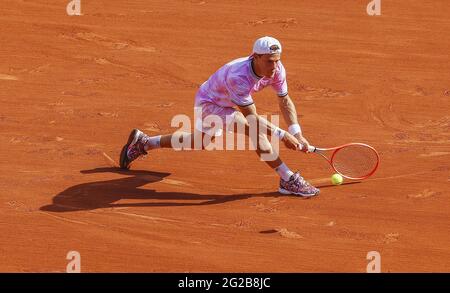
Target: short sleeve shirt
235	82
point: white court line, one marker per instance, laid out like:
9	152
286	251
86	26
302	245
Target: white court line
147	217
111	161
64	219
399	176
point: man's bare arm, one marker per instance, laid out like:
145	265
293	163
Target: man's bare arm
249	113
289	113
288	110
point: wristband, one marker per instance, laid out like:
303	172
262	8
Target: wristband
294	129
278	132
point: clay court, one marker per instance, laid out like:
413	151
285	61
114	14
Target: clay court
72	88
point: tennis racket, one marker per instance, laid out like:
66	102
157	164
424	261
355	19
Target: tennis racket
353	161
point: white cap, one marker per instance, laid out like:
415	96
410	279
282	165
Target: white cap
267	45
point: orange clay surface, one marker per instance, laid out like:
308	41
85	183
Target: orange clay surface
72	88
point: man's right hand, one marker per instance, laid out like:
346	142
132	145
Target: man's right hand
290	141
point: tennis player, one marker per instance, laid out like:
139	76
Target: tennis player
228	95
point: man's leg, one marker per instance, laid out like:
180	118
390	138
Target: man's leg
139	143
142	143
263	146
290	182
183	138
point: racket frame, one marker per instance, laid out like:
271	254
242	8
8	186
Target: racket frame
321	151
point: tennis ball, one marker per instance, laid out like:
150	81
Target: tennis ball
337	179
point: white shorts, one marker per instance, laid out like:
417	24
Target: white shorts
211	114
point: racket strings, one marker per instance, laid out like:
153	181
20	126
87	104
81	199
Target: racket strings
355	161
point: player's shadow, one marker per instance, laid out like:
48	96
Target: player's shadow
105	194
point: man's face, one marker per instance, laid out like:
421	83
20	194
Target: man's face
268	63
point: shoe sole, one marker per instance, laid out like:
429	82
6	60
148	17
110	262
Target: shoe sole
284	191
132	139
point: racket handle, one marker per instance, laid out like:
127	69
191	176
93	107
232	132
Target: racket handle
311	149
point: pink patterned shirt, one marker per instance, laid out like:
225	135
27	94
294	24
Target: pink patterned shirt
234	83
